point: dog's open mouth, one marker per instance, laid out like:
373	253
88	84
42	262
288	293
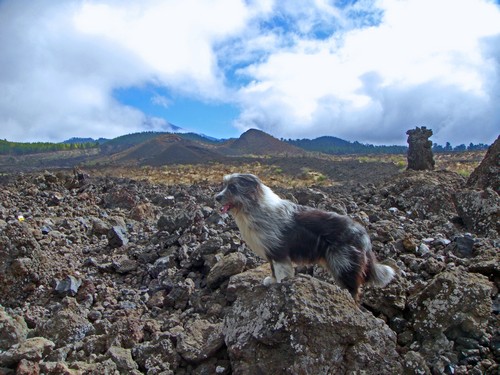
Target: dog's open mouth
224	209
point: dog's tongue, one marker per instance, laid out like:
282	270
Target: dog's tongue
225	208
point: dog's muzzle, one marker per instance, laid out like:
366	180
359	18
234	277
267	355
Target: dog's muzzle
225	206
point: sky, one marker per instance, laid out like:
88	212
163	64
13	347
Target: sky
364	70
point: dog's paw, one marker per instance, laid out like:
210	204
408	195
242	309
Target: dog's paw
269	280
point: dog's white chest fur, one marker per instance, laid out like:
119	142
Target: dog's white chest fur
252	238
262	228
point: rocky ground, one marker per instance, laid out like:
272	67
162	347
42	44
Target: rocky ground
116	276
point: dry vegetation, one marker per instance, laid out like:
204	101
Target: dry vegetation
274	175
462	163
213	173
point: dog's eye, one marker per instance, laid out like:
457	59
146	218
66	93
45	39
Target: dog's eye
232	188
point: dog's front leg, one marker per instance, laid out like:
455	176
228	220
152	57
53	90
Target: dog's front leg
281	270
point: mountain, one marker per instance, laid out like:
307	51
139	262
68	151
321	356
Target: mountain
199	138
189	148
129	140
126	141
167	149
256	142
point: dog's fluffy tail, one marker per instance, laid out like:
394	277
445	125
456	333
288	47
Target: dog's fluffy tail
380	274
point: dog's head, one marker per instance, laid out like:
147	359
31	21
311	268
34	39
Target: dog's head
240	192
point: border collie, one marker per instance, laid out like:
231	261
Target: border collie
284	233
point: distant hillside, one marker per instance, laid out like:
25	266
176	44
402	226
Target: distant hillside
256	142
25	148
163	149
252	142
123	142
199	138
334	145
167	149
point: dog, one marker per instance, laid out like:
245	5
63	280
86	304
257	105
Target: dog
285	233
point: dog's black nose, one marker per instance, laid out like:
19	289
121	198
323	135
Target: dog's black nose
218	197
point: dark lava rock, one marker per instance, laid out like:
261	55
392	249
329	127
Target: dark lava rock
420	157
68	286
174	299
453	302
13	330
117	236
305	326
487	174
228	266
480	211
462	246
171	223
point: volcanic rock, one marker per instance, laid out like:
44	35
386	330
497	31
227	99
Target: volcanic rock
462	246
423	195
174	300
68	325
306	326
480	211
117	236
68	286
228	266
487	174
157	355
13	330
455	303
200	340
33	349
420	157
123	359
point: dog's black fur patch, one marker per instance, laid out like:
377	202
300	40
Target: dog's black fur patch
284	232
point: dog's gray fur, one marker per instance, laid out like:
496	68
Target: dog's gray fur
285	233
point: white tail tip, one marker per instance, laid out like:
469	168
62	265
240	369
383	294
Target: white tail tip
382	275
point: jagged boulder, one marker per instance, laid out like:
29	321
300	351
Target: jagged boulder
424	194
32	349
480	208
200	340
13	329
456	303
67	325
487	174
480	211
305	326
420	157
230	265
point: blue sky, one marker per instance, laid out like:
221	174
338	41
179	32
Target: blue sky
188	113
363	70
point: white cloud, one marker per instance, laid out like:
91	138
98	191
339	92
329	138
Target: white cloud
365	71
56	83
61	61
173	38
161	100
426	66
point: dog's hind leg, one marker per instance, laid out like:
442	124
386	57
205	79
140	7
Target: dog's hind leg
281	270
347	264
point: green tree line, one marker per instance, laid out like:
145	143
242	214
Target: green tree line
24	148
460	148
337	146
